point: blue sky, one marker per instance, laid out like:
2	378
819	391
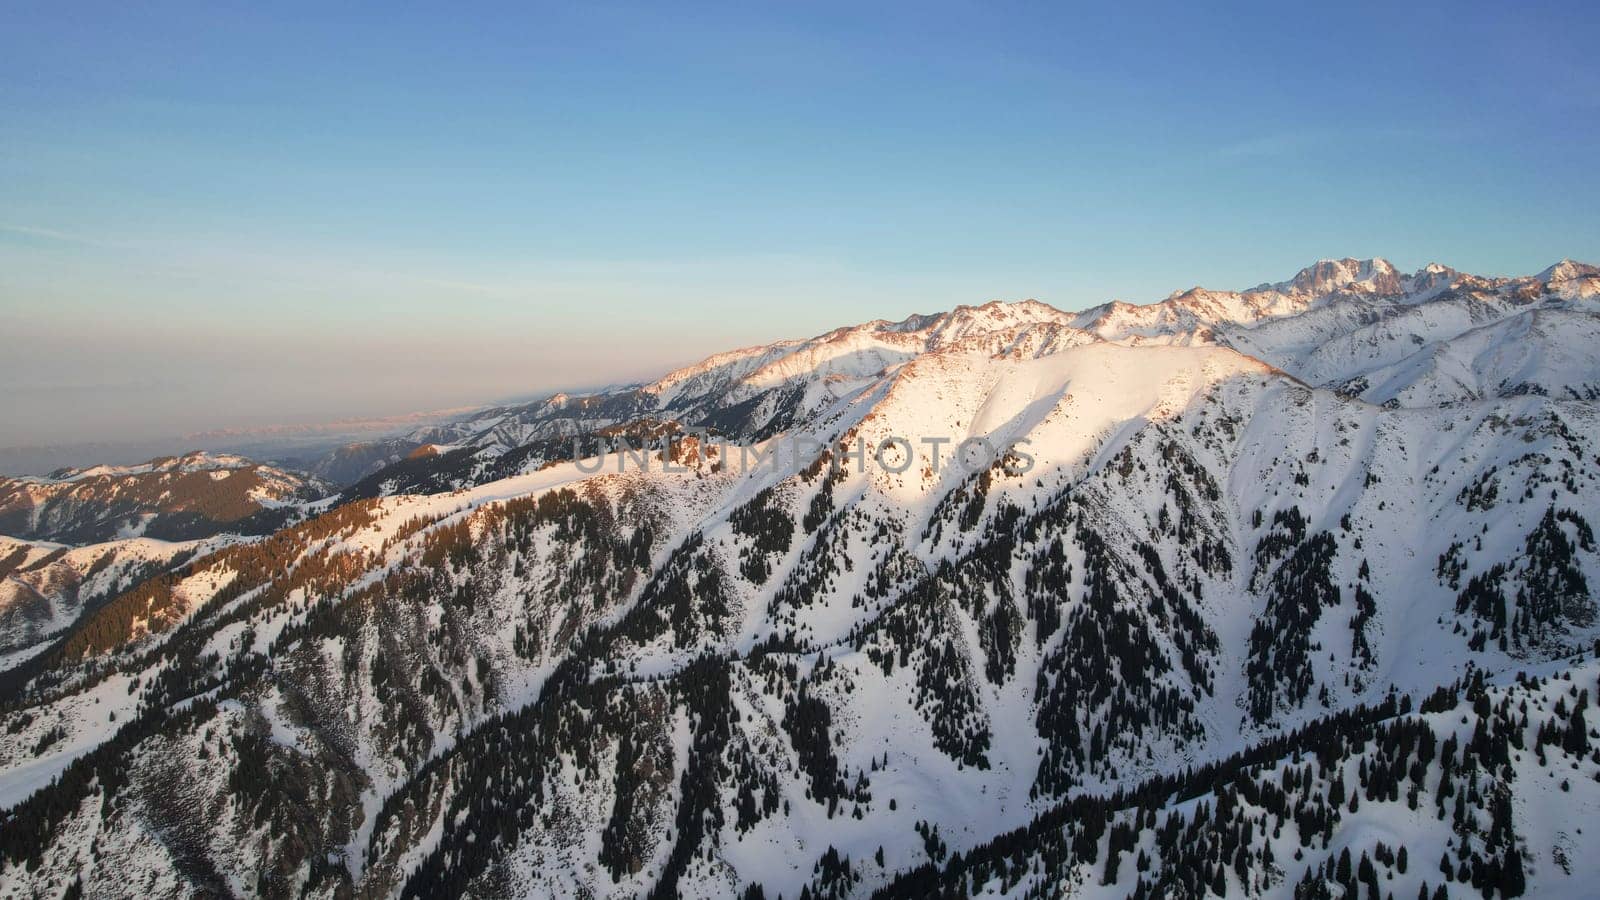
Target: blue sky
233	214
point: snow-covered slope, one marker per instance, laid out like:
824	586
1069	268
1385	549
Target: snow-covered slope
1177	566
45	587
1542	351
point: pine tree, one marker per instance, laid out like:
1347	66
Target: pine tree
1512	880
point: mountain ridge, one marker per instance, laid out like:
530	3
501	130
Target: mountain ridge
193	495
756	391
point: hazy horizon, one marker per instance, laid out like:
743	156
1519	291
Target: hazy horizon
238	217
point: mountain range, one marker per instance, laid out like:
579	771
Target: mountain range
1279	592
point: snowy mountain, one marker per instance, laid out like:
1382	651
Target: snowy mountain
1357	326
752	393
176	498
46	587
1281	592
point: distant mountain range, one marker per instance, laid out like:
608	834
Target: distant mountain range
1285	592
174	498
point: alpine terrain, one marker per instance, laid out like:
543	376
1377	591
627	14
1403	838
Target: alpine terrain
1288	592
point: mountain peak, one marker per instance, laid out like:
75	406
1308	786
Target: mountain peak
996	315
1568	269
1351	275
1024	308
1572	280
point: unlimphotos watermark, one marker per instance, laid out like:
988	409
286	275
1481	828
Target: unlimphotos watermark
692	448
